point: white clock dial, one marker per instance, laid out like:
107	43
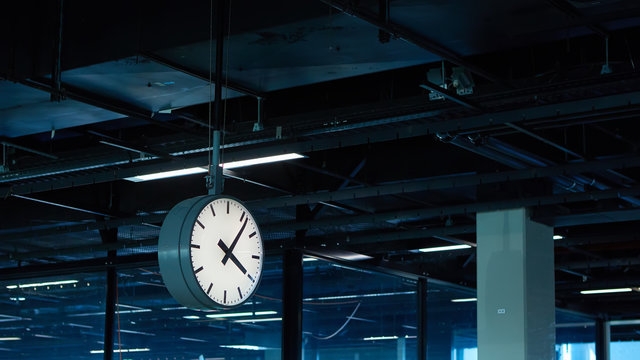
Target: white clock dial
226	252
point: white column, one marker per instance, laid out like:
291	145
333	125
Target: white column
516	290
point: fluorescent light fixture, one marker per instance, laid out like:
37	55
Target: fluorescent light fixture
121	350
258	313
464	300
444	248
174	308
258	320
200	170
558	237
192	339
262	160
167	174
356	296
374	338
61	282
605	291
217	316
309	259
244	347
191	317
17	298
10	338
43	336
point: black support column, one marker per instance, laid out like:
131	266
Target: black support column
422	319
603	337
110	236
292	305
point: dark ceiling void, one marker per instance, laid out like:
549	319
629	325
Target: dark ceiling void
537	107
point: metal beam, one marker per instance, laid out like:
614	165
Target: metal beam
468	208
570	10
410	36
228	83
74	267
606	105
110	104
27	149
449	182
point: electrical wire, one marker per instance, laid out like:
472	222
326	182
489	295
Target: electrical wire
226	85
341	327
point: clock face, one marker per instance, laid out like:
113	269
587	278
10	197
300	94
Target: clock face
226	252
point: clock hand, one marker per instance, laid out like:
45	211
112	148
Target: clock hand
233	258
233	244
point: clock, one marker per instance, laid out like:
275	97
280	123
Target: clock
210	252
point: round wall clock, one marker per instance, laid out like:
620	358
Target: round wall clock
210	252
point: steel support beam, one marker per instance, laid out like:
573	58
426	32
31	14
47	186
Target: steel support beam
469	208
602	106
570	10
228	83
110	309
73	267
603	339
410	36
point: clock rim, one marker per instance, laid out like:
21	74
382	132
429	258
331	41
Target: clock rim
174	253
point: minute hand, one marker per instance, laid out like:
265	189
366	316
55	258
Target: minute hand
233	244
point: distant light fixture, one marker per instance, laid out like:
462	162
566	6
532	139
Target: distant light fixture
558	237
14	338
262	160
309	259
244	347
192	339
258	320
357	296
606	291
121	350
167	174
174	308
32	285
445	248
191	317
229	165
374	338
228	315
464	300
17	298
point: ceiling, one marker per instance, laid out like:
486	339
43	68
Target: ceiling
547	121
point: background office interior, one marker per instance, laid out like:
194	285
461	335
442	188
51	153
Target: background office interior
411	116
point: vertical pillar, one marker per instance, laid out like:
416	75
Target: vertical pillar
110	236
401	349
292	305
422	319
603	339
516	290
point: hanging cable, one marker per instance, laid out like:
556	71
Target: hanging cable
210	134
226	83
118	320
341	327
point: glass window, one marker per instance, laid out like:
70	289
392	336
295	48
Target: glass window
356	314
625	340
575	336
451	322
152	325
52	317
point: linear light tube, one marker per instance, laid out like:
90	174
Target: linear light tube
217	316
262	160
167	174
444	248
229	165
558	237
191	317
373	338
605	291
356	296
464	300
121	350
244	347
10	338
258	320
61	282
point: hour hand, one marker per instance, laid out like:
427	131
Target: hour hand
230	255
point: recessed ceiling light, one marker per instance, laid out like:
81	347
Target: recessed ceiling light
445	248
558	237
464	300
605	291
